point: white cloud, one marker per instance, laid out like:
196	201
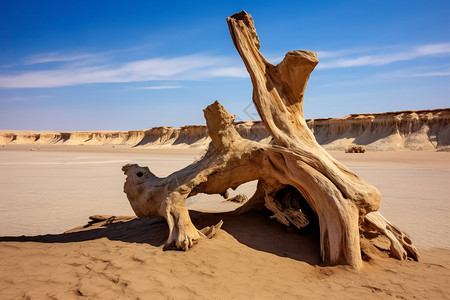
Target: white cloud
276	58
24	98
384	58
339	53
76	69
11	99
190	67
55	57
228	72
158	87
433	49
419	71
430	74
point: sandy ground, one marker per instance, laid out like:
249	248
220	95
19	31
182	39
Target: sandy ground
57	187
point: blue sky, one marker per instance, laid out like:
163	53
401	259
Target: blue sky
127	65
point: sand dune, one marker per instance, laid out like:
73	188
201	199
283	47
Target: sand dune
252	257
406	130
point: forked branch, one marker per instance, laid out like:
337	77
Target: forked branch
296	176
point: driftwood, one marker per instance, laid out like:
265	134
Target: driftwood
297	179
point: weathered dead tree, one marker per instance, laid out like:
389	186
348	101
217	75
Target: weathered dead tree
297	177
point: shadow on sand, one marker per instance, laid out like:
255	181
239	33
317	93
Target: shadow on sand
253	229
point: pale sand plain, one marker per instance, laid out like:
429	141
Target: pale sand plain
49	191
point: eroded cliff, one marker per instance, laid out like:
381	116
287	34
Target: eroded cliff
413	130
404	130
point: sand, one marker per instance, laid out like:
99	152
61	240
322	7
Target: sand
56	188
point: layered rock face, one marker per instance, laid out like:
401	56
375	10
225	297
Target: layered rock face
405	130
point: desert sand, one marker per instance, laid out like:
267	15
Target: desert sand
56	188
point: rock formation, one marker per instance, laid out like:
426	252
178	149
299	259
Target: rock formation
403	130
297	179
355	149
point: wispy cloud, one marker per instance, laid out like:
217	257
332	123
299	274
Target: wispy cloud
158	87
7	66
24	98
227	72
55	57
441	70
430	74
380	59
432	49
190	67
86	68
344	52
276	58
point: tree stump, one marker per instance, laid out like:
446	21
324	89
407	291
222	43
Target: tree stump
297	179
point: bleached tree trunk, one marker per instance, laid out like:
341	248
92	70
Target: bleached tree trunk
293	170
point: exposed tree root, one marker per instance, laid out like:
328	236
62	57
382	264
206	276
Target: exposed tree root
298	179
